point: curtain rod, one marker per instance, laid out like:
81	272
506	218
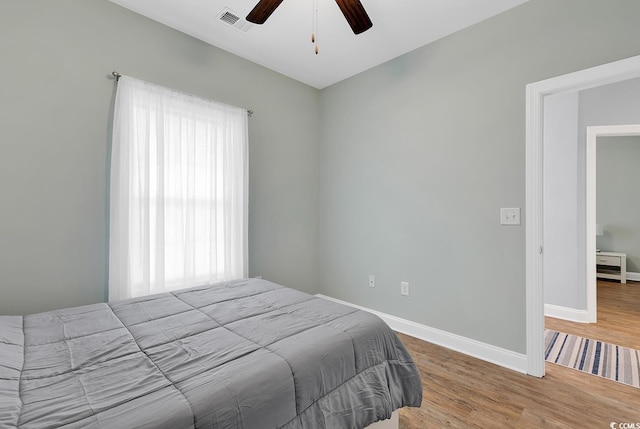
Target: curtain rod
118	76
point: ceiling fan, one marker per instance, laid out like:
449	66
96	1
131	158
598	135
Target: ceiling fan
352	10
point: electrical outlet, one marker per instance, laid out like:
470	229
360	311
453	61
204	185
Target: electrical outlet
372	281
510	216
404	288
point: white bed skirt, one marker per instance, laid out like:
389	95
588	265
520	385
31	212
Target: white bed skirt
392	423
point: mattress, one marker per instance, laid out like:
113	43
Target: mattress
242	354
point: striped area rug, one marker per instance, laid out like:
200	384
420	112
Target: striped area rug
616	363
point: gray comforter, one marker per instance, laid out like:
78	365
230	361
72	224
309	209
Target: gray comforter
246	354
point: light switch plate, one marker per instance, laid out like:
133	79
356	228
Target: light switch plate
510	216
404	288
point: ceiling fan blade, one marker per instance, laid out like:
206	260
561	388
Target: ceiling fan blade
263	10
355	14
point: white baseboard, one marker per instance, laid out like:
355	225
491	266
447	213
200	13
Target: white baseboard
487	352
633	276
573	315
566	313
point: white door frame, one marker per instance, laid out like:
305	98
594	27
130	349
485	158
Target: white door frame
592	135
536	92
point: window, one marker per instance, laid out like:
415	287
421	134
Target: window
178	214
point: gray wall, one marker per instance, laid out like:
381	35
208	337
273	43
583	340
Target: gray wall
419	154
561	255
618	196
55	115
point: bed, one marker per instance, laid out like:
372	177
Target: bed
242	354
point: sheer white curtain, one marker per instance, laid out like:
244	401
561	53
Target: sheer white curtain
178	213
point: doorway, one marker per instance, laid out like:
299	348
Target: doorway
612	189
536	93
593	133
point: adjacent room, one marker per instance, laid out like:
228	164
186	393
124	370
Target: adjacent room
370	168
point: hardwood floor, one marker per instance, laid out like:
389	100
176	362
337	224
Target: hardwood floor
618	316
463	392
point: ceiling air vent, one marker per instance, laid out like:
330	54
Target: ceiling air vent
231	18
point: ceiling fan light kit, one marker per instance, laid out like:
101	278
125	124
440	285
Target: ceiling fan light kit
353	11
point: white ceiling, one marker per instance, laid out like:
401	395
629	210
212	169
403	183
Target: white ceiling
283	43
